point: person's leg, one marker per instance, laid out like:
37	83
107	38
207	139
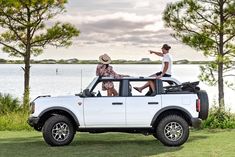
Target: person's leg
114	92
152	85
109	91
139	89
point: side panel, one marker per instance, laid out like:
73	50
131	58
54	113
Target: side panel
70	103
141	110
186	101
104	111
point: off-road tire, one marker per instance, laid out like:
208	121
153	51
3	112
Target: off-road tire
172	125
58	130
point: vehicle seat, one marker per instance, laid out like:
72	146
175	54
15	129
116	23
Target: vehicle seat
130	90
99	94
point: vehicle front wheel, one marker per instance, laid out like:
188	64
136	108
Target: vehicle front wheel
58	131
173	130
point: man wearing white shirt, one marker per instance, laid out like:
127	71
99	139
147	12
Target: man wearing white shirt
166	67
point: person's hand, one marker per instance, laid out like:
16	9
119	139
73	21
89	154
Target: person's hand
150	51
103	66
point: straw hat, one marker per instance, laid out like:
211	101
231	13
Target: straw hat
105	59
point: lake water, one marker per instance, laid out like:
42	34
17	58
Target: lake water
44	79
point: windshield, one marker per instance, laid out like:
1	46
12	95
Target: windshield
92	83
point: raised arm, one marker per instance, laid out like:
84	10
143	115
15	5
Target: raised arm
156	53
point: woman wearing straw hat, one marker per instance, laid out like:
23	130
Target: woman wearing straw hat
105	70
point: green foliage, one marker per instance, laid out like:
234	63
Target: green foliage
220	119
12	115
14	121
25	32
25	28
8	104
208	26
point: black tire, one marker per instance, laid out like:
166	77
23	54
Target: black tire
204	109
155	135
58	131
169	136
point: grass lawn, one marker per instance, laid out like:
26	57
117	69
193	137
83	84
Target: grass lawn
207	143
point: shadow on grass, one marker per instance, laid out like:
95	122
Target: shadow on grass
195	138
86	145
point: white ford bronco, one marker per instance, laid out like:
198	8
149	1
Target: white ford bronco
166	113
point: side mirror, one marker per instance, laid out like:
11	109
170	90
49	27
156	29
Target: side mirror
87	93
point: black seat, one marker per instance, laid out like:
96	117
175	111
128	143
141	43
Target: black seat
130	90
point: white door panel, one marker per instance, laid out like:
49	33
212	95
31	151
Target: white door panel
104	112
141	110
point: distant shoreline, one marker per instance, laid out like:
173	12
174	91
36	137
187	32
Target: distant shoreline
76	61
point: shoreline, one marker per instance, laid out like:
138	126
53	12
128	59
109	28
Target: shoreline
113	62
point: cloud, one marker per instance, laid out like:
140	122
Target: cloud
142	4
119	27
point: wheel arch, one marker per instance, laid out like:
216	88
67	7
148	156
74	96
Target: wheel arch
171	110
49	112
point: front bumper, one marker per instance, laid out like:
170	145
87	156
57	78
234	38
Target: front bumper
196	122
33	121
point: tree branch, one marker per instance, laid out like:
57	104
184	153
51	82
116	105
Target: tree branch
22	54
44	41
193	31
206	19
229	39
14	19
229	75
227	52
210	2
233	55
38	21
9	24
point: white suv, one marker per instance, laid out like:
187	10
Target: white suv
166	113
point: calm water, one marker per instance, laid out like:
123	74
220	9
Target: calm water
67	81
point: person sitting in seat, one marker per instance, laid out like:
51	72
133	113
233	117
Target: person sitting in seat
105	70
166	68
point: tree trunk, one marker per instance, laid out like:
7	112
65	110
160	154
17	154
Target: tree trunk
26	82
221	58
27	65
221	86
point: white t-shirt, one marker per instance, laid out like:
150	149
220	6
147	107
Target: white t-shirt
167	58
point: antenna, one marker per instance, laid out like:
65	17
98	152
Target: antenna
81	80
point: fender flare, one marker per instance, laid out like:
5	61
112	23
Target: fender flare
170	108
61	109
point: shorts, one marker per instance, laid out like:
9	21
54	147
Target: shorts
165	75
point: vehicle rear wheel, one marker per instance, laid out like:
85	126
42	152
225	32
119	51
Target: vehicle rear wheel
173	130
58	131
204	104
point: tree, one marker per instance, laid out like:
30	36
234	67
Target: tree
209	26
26	33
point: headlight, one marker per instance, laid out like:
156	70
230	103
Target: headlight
32	107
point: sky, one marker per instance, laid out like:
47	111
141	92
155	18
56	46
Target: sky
124	29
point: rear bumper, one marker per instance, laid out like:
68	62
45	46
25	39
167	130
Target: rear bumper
33	121
196	122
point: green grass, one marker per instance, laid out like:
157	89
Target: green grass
215	143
